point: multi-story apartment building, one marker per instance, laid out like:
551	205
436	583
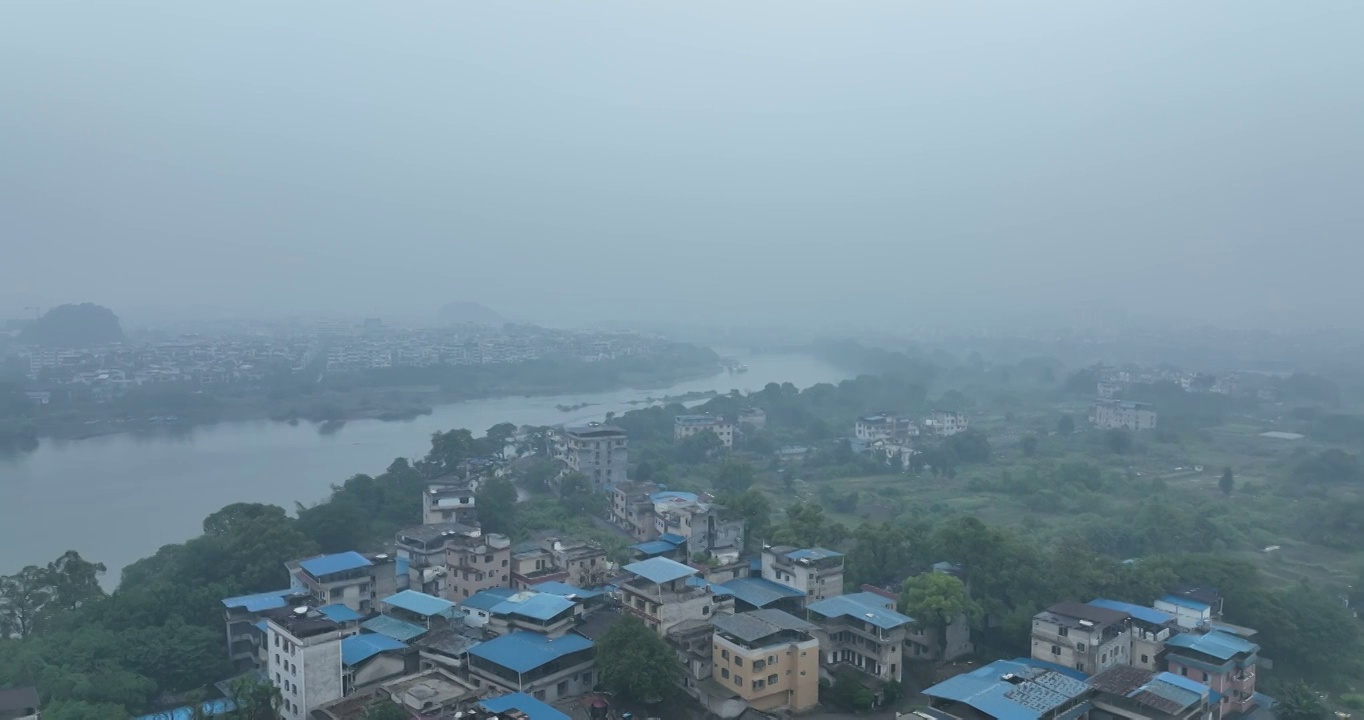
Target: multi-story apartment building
545	668
664	592
425	550
1123	692
685	426
698	521
544	613
478	563
1088	638
1149	631
347	578
245	640
1114	415
817	572
862	631
575	562
632	509
449	503
304	661
769	657
944	423
883	426
1222	661
597	451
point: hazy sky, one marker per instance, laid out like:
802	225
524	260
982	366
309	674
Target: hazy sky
888	161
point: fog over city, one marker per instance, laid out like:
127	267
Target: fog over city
720	162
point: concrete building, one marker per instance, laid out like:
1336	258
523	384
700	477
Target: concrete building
424	550
664	592
1009	690
347	578
1088	638
585	562
700	522
449	504
370	658
1115	415
598	451
304	661
545	668
943	423
817	572
883	426
632	509
1149	631
429	692
1222	661
478	563
545	613
685	426
862	631
769	657
1130	693
242	615
1194	607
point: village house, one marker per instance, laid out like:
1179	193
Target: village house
702	523
478	563
883	426
1116	415
449	503
347	578
1124	692
1010	690
632	509
664	592
943	423
1149	631
304	650
685	426
545	668
770	658
424	550
1085	637
599	452
1222	661
817	572
862	631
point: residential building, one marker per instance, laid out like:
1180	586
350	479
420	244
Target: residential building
1131	693
598	451
944	423
304	661
1149	630
664	592
927	643
1010	690
703	524
1194	606
883	426
589	601
1115	415
545	613
862	631
756	417
668	545
450	503
242	615
546	668
19	704
347	578
756	593
419	608
531	563
817	572
1085	637
691	640
395	628
372	658
430	692
517	706
632	509
478	608
685	426
478	563
1222	661
585	562
424	551
769	657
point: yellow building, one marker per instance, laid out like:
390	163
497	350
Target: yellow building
769	658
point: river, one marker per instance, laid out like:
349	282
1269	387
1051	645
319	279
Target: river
117	498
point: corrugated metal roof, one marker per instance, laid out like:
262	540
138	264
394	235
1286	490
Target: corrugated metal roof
533	709
534	605
554	587
673	495
758	592
660	570
815	553
393	628
1185	602
421	603
1218	644
259	601
672	538
339	613
340	562
358	648
750	626
1140	612
654	547
221	706
1010	690
865	606
487	599
524	651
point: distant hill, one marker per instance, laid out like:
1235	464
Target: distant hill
81	325
466	313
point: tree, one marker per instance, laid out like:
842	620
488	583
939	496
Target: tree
1065	426
537	473
384	710
1118	441
733	476
1298	701
849	693
335	526
577	496
81	710
1028	444
496	502
1228	481
935	600
694	449
499	436
255	700
635	663
83	325
23	596
756	511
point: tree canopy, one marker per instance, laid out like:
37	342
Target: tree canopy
635	663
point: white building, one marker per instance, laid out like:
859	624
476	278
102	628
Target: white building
817	572
304	651
944	424
595	450
1113	415
883	426
685	426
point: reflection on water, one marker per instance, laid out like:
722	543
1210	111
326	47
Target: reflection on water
116	498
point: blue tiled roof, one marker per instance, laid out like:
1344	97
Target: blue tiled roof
358	648
654	547
554	587
1183	682
487	599
1185	602
1140	612
815	553
393	628
865	606
340	562
211	708
672	538
758	592
533	709
1040	690
339	613
1223	646
259	601
660	570
263	626
672	495
421	603
524	651
534	605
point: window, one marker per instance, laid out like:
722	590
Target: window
539	694
724	673
337	593
772	679
758	684
1055	649
1080	647
504	563
276	641
562	687
1063	632
1103	658
1080	666
1144	659
739	680
276	658
1205	677
724	653
738	661
705	610
772	659
1184	671
759	665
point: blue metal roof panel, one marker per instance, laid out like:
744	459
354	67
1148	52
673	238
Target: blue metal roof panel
358	648
758	592
537	606
672	538
1181	681
524	651
654	547
263	626
259	601
1140	612
1045	665
487	599
533	709
221	706
339	613
672	495
393	628
1185	602
865	606
660	570
1218	644
554	587
340	562
815	553
1036	690
421	603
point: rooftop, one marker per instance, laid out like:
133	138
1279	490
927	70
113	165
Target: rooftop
18	698
1223	646
753	626
330	564
393	628
339	613
1185	602
532	708
454	640
864	606
534	605
660	570
524	651
260	601
654	547
359	648
212	708
758	592
813	554
554	587
435	531
1138	612
595	430
488	599
1072	614
1011	690
421	604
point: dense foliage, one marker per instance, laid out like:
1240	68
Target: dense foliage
84	325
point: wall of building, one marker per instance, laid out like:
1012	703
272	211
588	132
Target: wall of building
789	673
